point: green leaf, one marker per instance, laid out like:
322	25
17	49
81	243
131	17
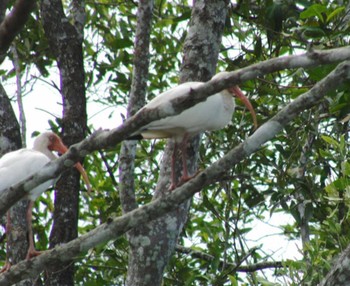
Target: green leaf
330	141
334	13
315	10
233	280
340	183
345	166
122	43
264	282
325	153
314	32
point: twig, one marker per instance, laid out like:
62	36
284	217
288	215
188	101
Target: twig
22	117
239	268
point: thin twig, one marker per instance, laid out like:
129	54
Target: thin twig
22	117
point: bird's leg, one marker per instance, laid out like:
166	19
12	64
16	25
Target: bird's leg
185	177
7	265
173	173
31	249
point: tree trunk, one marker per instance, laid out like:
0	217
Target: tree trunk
17	240
12	24
340	273
136	101
152	245
10	137
65	41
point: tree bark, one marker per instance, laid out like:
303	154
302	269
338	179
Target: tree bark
13	23
340	272
104	139
65	41
152	245
17	240
10	137
213	173
136	101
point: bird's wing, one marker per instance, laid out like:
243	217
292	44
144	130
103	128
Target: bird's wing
18	165
212	114
156	128
164	98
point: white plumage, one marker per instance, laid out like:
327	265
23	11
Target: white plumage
13	170
19	165
212	114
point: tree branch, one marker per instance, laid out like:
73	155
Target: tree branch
240	268
339	275
136	100
14	22
118	226
103	139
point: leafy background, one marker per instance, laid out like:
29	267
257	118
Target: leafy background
306	165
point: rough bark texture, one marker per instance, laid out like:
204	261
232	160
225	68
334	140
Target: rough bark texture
65	40
10	140
303	201
10	137
3	5
213	173
152	245
203	40
136	101
340	273
13	23
106	139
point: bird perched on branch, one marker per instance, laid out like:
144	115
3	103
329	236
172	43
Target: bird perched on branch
212	114
19	165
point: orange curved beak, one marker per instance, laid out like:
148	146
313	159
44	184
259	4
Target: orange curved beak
236	91
61	148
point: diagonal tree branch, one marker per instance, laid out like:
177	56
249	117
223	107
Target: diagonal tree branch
103	139
14	22
118	226
339	274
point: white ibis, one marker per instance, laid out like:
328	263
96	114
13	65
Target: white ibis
19	165
212	114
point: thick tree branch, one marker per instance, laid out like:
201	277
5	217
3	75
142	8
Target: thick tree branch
14	22
103	139
3	5
117	226
339	275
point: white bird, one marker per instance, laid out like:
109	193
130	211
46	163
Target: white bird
19	165
212	114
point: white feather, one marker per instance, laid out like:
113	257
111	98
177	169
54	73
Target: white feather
212	114
19	165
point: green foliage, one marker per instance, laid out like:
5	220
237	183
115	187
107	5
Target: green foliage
306	163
